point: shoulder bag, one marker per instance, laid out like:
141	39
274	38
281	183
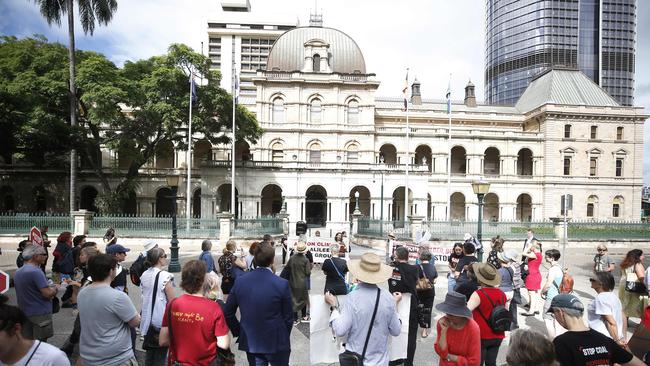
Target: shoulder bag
632	283
349	358
347	287
423	283
151	339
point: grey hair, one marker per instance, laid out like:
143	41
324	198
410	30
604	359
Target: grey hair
31	250
334	248
206	245
528	347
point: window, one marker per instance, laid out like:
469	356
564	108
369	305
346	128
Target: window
593	165
316	63
567	131
567	166
353	153
314	153
353	111
278	110
619	133
616	206
590	210
619	167
315	111
277	154
594	132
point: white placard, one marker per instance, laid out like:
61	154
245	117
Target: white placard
320	249
397	346
323	347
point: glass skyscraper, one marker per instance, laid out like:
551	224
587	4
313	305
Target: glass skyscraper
525	37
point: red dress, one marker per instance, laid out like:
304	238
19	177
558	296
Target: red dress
534	279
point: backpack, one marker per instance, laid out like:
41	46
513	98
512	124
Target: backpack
500	319
136	270
566	286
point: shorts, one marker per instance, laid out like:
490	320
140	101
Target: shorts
39	327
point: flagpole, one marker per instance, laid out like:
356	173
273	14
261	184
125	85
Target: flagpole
408	154
188	200
449	151
233	209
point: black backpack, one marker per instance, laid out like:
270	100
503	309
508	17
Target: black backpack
136	270
500	319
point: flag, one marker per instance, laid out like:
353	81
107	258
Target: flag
193	95
236	89
405	91
448	96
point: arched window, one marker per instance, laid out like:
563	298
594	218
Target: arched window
617	206
353	153
278	110
353	111
277	152
315	109
592	201
314	153
316	64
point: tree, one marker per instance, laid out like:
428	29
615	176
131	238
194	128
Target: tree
90	11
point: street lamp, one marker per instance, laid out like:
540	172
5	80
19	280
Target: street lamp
381	200
356	203
481	188
174	265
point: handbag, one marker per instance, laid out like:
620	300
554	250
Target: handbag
423	283
349	358
633	285
151	339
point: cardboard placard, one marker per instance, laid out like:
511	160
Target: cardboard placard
35	236
320	249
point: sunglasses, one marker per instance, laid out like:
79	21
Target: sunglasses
601	250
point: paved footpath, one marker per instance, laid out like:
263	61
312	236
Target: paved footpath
579	262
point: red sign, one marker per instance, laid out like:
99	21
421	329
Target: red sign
4	282
440	254
35	236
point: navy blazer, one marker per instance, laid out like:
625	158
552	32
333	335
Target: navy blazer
264	302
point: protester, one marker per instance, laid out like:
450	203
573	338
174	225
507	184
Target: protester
138	267
464	263
15	349
530	237
581	345
230	267
335	270
46	244
454	258
343	249
530	348
212	288
356	317
497	247
632	270
551	289
206	256
21	246
605	314
285	249
193	327
63	263
119	252
250	264
109	237
265	306
468	287
299	269
458	335
478	246
77	244
34	294
403	280
426	296
482	303
602	261
107	316
155	279
511	282
534	279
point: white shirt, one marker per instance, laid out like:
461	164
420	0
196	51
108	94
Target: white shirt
605	303
45	355
146	285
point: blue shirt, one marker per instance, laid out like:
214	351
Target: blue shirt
206	256
29	280
354	321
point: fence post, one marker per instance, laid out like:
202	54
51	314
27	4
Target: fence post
224	227
416	225
355	225
285	222
82	220
558	228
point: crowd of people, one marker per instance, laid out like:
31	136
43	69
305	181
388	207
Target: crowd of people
243	294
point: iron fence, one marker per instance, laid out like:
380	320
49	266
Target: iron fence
21	223
372	227
608	230
154	226
455	230
255	227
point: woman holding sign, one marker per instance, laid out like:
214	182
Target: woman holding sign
335	269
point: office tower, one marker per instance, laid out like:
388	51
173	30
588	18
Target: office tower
525	37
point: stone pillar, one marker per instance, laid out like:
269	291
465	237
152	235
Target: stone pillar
356	215
284	216
225	221
416	225
82	220
558	227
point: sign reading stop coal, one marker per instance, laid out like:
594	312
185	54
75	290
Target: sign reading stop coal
4	282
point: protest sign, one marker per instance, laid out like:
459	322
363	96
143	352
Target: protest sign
35	236
440	254
320	249
323	345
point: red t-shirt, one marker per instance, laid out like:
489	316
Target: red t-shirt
645	319
498	298
196	322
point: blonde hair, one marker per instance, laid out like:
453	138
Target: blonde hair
211	285
231	246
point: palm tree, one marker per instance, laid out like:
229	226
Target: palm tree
90	11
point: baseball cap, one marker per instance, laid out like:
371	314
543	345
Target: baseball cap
116	248
566	301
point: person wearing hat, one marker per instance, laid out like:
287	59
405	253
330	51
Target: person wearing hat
354	319
458	340
581	345
508	275
482	302
299	269
119	252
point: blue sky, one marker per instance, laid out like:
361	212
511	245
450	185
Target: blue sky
432	37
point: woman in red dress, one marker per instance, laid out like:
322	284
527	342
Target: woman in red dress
534	278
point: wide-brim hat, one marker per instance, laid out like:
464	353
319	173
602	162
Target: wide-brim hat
486	274
455	304
507	256
149	244
370	269
301	248
391	235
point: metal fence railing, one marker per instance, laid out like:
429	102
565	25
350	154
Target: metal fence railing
159	226
455	230
260	226
372	227
21	223
607	230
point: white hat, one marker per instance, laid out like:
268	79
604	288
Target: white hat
149	244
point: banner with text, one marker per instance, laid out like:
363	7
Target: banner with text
440	254
320	249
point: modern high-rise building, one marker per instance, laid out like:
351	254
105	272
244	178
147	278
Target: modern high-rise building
246	37
525	37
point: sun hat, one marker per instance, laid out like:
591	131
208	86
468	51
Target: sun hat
566	301
486	273
116	248
391	235
301	248
149	244
507	256
455	304
370	269
467	236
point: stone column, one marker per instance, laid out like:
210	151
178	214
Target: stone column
284	216
356	215
416	225
225	221
558	227
82	220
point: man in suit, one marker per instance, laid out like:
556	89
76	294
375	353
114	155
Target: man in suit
264	302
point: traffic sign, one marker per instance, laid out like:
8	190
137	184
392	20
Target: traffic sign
4	282
35	236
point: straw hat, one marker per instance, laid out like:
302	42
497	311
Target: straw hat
370	269
391	235
455	304
487	274
508	256
301	248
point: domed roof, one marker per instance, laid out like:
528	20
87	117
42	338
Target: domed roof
287	53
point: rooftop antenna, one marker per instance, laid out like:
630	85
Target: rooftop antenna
315	19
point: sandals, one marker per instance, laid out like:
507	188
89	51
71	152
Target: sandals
306	319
